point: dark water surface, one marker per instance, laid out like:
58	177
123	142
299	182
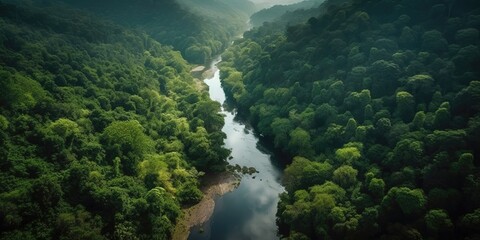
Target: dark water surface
249	211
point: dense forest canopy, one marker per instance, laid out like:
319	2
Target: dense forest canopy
274	13
190	26
377	103
104	132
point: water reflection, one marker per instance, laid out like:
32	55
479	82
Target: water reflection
249	211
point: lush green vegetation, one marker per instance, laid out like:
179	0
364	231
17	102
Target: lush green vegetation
377	103
274	13
200	30
103	132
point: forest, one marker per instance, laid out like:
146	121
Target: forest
374	105
104	132
377	104
200	30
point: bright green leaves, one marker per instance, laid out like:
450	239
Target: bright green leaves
129	136
127	140
233	81
155	172
303	173
348	154
3	123
345	176
20	92
90	123
64	128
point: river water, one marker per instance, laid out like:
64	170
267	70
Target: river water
248	212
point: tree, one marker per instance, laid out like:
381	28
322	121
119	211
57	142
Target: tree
338	193
20	92
421	86
410	202
3	123
127	140
345	176
300	142
405	106
442	118
418	121
348	154
384	77
376	187
471	220
46	191
438	223
303	173
467	36
434	41
189	193
467	101
350	129
66	129
281	128
383	125
208	112
406	152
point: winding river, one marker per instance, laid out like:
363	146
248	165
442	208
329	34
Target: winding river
248	212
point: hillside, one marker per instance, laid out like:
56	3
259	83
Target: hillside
377	105
274	13
103	133
200	30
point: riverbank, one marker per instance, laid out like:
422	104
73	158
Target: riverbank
200	73
213	187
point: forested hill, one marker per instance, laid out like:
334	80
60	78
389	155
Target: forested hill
275	12
377	103
192	27
103	131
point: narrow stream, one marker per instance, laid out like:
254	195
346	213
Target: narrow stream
248	212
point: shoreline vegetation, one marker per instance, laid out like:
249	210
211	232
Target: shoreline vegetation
214	186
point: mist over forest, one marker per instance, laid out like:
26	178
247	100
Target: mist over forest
368	111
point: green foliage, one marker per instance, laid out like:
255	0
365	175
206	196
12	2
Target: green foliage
129	136
97	128
300	142
376	187
471	220
345	176
348	154
438	221
203	31
20	92
410	202
315	173
388	88
405	106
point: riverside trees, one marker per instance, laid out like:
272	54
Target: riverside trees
376	104
98	125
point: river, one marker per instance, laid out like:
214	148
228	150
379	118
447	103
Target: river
248	212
